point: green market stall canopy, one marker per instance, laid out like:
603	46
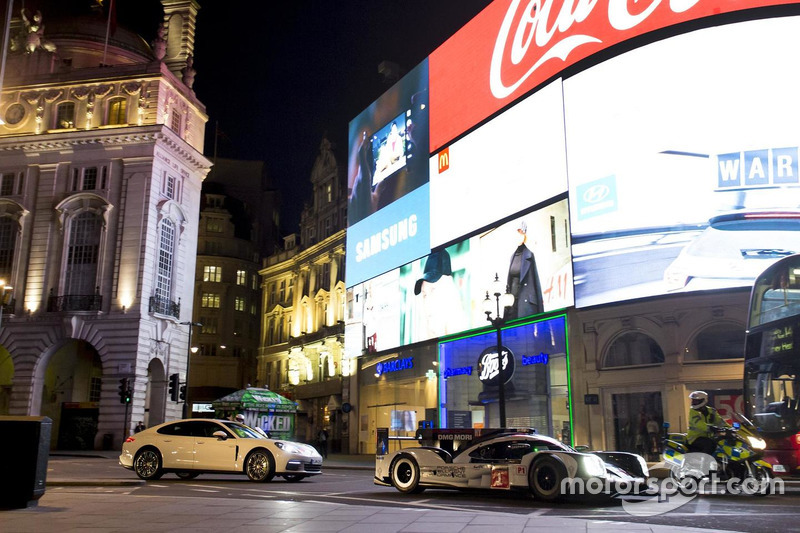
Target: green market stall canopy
255	399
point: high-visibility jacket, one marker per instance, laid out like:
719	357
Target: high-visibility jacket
699	420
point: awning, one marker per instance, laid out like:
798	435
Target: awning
255	399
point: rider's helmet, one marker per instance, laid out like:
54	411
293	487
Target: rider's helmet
699	399
240	418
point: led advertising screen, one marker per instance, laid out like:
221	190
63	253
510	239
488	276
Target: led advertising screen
443	292
388	204
683	163
514	46
516	160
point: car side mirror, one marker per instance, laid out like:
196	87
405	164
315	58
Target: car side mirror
221	435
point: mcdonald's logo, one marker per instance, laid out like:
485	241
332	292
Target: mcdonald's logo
444	160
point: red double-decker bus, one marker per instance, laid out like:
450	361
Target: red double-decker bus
772	363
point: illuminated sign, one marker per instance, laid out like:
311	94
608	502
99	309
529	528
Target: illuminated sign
757	168
541	359
513	46
779	341
394	366
489	366
461	371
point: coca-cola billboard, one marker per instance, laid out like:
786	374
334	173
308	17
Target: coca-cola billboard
514	46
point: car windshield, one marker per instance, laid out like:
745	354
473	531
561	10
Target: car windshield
242	431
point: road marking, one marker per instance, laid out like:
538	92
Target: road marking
206	490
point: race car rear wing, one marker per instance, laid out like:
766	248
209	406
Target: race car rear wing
453	439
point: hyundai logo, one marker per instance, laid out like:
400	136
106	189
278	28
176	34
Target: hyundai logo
596	193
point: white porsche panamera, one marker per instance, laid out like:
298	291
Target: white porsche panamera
195	446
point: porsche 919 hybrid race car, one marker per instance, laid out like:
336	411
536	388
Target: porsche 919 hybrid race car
504	459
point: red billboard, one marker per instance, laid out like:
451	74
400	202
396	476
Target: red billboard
513	46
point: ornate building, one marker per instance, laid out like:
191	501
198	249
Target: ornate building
302	337
101	170
238	226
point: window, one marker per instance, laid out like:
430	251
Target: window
717	342
209	325
176	121
117	112
239	303
324	277
209	300
253	308
166	258
83	248
213	225
169	187
65	115
95	385
85	179
7	185
212	273
241	277
632	349
254	282
208	349
329	192
8	240
283	291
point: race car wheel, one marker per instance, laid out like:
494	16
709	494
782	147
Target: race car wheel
545	479
187	475
405	475
260	466
147	464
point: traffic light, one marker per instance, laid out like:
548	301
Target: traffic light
128	396
174	384
183	392
124	391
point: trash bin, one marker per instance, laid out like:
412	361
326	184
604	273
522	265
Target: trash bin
108	441
26	445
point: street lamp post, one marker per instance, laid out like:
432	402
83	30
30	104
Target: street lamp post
501	296
186	403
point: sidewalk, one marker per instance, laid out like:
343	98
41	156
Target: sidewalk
60	509
64	512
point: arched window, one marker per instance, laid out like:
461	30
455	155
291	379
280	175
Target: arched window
65	115
716	342
82	254
117	111
633	349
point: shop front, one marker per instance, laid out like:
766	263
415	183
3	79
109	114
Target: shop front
536	387
398	394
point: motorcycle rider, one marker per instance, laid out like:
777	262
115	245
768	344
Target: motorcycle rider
701	436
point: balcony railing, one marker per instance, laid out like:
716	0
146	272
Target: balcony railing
165	306
74	302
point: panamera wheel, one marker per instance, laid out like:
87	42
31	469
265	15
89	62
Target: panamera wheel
260	466
405	475
147	464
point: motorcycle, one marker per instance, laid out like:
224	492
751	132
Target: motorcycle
737	459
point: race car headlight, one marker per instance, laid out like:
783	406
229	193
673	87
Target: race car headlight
289	447
594	466
756	443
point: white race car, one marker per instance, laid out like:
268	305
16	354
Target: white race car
507	459
195	446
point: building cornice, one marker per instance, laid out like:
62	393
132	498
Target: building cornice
123	136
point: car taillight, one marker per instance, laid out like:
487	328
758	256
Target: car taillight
129	439
796	440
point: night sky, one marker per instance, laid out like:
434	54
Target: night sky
277	75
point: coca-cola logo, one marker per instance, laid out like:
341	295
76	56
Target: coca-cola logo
541	30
